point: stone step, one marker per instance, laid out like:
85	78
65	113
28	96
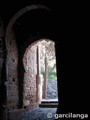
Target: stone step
49	103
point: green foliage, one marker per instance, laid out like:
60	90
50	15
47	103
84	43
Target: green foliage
51	74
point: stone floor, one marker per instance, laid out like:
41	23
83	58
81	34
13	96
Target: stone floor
39	114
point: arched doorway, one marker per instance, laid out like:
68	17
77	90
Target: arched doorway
14	56
40	80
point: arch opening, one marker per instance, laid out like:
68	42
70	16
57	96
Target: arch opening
40	74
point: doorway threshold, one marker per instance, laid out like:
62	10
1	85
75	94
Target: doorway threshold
49	103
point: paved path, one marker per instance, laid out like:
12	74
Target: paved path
39	114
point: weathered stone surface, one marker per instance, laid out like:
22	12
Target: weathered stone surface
30	63
12	75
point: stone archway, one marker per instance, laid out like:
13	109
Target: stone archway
12	58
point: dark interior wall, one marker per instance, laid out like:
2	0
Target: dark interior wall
71	52
3	81
73	78
1	47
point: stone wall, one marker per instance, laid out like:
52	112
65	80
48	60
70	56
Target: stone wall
30	65
11	70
